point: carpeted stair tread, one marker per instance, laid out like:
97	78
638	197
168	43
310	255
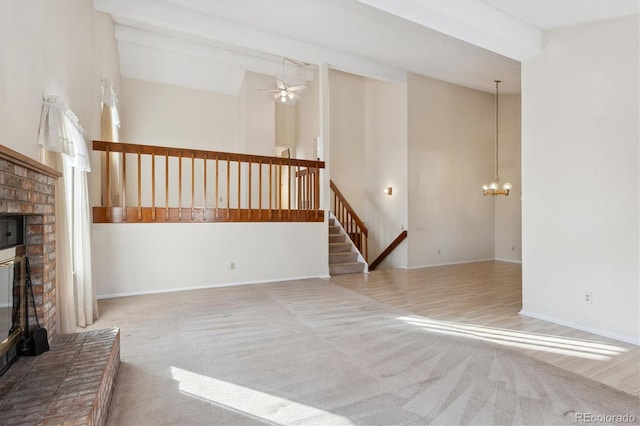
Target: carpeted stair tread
346	268
339	247
342	257
337	238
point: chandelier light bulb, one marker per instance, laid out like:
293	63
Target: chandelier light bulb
507	186
485	187
493	186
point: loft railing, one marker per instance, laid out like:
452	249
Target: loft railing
159	184
350	221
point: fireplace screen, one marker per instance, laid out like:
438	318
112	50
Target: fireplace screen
12	309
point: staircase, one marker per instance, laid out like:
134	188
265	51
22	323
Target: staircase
342	258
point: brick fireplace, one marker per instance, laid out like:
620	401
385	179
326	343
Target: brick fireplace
27	188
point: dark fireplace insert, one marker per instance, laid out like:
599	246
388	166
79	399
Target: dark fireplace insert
13	297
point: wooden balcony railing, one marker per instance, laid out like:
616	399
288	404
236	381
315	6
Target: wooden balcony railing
187	185
350	221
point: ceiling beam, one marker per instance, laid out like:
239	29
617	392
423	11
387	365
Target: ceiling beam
181	22
273	66
471	21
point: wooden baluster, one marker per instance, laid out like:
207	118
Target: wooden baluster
166	186
239	187
279	190
124	184
217	191
153	185
298	180
260	190
289	191
308	191
366	248
180	185
139	186
228	187
204	188
249	183
316	187
108	180
270	189
193	185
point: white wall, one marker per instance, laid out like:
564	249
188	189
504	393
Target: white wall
580	134
259	114
308	120
165	115
347	136
508	213
285	115
147	258
59	48
451	151
385	160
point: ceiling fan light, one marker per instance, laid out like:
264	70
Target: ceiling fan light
283	93
291	95
283	99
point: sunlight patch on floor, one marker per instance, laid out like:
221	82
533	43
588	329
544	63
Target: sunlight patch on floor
251	402
520	339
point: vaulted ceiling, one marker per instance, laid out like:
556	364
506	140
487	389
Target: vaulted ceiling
209	44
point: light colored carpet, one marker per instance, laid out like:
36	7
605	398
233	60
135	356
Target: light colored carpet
309	352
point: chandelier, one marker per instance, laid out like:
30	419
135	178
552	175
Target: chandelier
493	188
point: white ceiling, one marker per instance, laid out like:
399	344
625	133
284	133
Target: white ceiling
207	45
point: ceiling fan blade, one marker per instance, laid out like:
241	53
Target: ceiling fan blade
269	90
281	85
294	88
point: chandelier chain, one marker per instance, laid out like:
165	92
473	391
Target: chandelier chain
497	138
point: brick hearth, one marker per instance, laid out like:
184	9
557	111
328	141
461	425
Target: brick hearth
72	384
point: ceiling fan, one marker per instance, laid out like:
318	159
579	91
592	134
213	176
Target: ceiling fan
284	92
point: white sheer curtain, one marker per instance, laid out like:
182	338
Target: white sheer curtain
61	133
110	132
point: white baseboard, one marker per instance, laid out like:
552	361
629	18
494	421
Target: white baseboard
431	265
582	327
508	260
173	290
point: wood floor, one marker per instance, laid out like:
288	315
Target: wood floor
482	300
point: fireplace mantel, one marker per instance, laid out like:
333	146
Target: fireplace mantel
27	162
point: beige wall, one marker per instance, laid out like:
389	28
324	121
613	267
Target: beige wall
385	163
259	115
450	155
286	126
508	210
57	48
165	115
580	169
347	136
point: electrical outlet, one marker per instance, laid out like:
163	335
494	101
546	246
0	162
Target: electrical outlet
513	248
232	265
588	297
438	251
